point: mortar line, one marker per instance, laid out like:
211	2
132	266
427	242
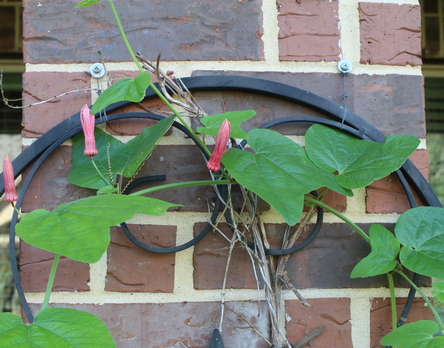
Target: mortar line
360	322
183	267
97	275
186	68
212	295
349	31
270	36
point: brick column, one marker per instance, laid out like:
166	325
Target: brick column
151	300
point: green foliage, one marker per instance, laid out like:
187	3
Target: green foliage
385	248
414	335
125	159
359	162
55	327
421	231
279	172
86	3
212	123
123	90
80	229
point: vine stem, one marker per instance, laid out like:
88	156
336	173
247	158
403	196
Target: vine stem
339	215
17	211
101	175
51	281
426	299
392	300
155	89
181	184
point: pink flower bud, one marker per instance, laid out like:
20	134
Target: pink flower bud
88	122
221	143
8	177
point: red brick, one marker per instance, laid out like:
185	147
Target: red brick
132	269
50	186
180	30
333	313
324	264
380	316
185	324
387	195
390	33
334	200
392	103
180	164
308	30
35	265
210	260
39	86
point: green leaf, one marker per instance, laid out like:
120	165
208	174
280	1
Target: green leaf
385	248
86	3
414	335
359	162
80	229
279	172
438	290
125	159
123	90
55	327
421	231
213	123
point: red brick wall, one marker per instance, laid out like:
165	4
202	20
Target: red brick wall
151	300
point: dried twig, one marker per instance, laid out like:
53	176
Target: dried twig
182	96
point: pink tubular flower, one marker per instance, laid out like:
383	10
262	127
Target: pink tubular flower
88	121
221	143
8	177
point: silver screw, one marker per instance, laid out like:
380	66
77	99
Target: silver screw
345	66
97	70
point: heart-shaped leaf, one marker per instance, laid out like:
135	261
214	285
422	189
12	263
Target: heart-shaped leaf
385	248
414	335
359	162
212	123
127	89
279	172
55	327
80	229
125	159
86	3
421	231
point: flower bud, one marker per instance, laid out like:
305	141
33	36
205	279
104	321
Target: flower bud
221	143
8	177
87	120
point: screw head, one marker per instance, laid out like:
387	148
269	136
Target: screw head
97	70
345	66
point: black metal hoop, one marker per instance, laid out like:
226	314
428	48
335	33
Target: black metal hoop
354	124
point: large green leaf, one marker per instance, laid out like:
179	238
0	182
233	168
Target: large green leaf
385	248
359	162
279	172
127	89
421	231
86	3
55	327
80	229
414	335
125	159
212	123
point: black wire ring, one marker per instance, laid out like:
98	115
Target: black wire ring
357	125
